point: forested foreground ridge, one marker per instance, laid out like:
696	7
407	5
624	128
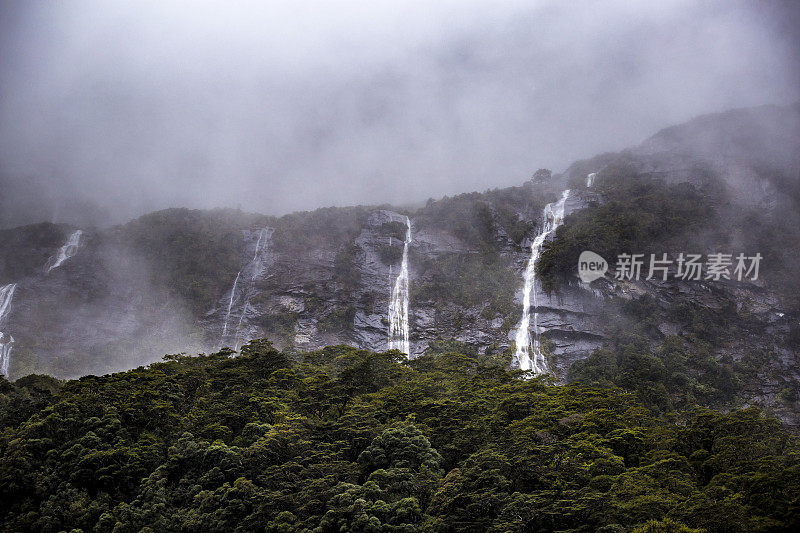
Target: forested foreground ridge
350	440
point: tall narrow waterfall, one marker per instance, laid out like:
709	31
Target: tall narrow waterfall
398	305
230	306
553	216
255	267
242	291
6	294
69	249
590	179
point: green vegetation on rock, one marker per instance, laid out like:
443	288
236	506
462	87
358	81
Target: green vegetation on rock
194	254
639	214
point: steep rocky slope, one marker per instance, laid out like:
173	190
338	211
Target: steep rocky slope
183	280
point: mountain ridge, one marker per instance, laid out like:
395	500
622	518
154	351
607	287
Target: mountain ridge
162	283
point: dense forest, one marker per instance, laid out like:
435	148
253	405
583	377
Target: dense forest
400	267
341	439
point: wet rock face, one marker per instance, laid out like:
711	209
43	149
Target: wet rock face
315	279
301	299
232	321
97	312
337	293
571	325
100	310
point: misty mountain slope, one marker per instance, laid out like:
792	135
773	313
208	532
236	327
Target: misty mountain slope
192	254
713	185
745	164
98	312
676	341
129	295
26	249
754	151
183	280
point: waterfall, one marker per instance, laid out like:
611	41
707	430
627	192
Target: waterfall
230	305
256	267
553	216
590	179
5	354
6	294
69	249
398	306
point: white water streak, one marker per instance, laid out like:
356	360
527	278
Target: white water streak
69	249
256	266
398	305
6	295
553	217
230	305
590	179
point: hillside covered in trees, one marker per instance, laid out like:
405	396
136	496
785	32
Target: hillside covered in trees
342	439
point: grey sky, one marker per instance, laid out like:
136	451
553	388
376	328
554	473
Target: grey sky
280	106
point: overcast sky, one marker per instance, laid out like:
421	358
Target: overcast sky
282	106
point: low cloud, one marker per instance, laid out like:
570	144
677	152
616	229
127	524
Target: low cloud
129	107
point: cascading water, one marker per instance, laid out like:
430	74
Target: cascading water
69	249
256	268
398	305
5	353
590	179
241	292
6	295
230	306
553	217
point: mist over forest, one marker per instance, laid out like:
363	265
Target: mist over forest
508	266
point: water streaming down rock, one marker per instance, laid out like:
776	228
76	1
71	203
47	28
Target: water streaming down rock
398	305
255	268
5	353
590	179
6	343
553	216
69	249
228	313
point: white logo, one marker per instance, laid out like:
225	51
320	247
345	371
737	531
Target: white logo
591	266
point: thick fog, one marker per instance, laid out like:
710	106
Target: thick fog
111	109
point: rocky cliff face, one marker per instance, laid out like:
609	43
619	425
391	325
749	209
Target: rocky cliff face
97	312
315	279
